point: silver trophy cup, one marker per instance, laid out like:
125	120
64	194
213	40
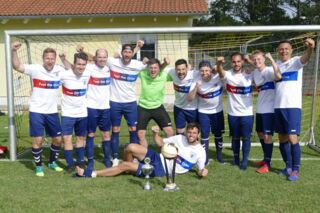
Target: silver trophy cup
171	186
147	169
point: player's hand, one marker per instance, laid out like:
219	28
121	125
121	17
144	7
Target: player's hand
140	43
79	48
203	172
198	83
62	56
166	60
155	129
220	60
246	58
145	60
15	46
309	42
268	56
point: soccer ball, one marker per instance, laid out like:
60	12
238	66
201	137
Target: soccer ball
169	150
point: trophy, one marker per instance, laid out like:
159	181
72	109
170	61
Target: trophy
147	169
170	153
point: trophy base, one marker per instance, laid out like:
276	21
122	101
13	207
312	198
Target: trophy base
172	187
147	187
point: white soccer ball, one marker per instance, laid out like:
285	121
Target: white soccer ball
169	150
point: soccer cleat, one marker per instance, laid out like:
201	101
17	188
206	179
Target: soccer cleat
263	169
115	162
293	176
285	171
39	171
70	169
260	163
55	167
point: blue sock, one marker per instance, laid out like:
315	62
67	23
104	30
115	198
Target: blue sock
54	153
80	155
263	148
296	156
134	137
236	151
282	151
106	148
219	144
37	156
205	144
68	154
115	144
90	151
268	153
286	149
246	145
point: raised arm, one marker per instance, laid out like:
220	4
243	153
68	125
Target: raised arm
310	44
138	47
277	73
220	70
193	92
156	137
80	49
15	59
166	62
65	62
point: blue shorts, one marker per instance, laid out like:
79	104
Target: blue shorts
182	116
215	122
79	125
288	121
265	123
50	123
240	126
128	110
98	117
158	170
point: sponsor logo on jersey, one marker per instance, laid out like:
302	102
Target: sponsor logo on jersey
184	163
46	84
239	90
289	76
210	94
182	89
73	92
123	76
99	81
266	86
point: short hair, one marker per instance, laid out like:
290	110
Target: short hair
235	54
181	61
154	61
49	50
80	55
257	52
101	49
205	63
285	42
193	125
127	46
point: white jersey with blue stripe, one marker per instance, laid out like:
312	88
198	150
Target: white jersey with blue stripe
98	93
188	155
123	79
45	88
239	89
182	89
289	88
209	94
74	89
266	89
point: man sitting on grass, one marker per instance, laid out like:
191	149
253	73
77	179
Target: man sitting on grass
190	153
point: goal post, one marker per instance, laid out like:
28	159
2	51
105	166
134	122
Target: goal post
175	33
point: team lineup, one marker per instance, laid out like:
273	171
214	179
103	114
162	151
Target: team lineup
98	90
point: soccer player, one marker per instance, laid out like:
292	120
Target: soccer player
184	111
288	101
265	104
239	107
208	91
190	153
43	110
74	109
153	80
124	73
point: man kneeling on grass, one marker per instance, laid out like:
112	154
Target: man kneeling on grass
190	153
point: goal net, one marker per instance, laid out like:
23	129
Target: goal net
191	45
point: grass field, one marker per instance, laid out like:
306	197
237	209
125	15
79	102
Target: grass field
226	189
